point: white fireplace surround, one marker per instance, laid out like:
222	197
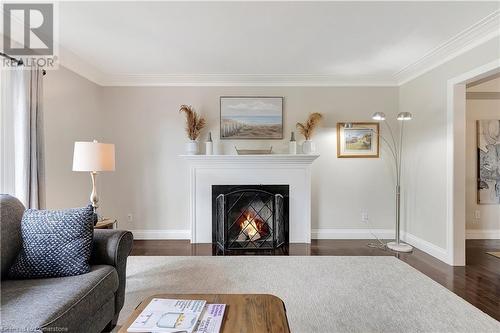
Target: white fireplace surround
274	169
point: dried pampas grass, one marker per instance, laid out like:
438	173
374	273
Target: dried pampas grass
308	128
194	123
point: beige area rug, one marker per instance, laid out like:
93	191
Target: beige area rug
495	254
321	294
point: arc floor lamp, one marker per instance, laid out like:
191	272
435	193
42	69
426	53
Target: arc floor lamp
396	149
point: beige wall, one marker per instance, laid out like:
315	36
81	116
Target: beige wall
489	214
71	113
151	181
425	176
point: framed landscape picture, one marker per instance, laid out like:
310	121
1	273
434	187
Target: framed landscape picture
251	117
488	161
358	140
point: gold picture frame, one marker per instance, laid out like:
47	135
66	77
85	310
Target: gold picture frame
358	140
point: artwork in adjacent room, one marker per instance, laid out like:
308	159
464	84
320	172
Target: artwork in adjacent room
357	140
251	117
488	160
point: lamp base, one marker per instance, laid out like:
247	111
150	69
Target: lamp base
401	247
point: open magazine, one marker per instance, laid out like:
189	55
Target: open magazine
168	316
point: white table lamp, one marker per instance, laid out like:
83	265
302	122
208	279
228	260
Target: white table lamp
94	157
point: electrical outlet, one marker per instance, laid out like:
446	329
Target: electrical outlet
364	217
130	217
477	214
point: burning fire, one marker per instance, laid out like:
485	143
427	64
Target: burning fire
253	227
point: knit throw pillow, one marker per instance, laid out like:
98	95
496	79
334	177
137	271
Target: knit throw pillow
55	243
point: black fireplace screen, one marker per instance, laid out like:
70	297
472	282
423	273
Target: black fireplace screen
251	218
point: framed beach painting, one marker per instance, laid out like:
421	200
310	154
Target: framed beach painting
358	140
488	161
251	117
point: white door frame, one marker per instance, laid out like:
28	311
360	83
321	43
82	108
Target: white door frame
455	160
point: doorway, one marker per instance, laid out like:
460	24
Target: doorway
456	159
482	174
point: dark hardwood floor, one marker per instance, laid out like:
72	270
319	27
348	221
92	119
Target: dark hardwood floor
478	282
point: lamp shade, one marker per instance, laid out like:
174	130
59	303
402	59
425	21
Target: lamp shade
94	156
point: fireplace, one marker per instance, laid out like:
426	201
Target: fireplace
249	217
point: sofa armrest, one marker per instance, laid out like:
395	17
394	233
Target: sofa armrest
112	247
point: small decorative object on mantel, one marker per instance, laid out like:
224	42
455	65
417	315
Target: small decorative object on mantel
194	125
292	146
253	151
307	130
209	145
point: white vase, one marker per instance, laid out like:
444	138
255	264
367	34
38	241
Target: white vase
192	147
308	147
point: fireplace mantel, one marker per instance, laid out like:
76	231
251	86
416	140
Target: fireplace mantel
267	159
273	169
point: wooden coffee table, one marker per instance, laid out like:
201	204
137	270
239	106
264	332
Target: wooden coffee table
249	313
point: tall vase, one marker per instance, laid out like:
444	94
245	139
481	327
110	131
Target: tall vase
209	145
308	147
192	147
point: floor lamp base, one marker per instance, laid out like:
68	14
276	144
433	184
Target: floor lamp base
401	247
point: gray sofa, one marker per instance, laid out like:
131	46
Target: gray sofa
85	303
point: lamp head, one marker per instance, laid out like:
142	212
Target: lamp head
378	116
348	125
405	116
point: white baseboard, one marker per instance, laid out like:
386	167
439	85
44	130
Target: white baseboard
434	250
429	248
315	234
161	234
351	233
482	234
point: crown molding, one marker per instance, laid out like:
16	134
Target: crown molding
74	63
208	80
477	34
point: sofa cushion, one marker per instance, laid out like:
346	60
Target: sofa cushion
31	305
54	243
11	213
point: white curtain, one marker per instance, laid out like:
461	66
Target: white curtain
22	148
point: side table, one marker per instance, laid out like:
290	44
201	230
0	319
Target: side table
106	223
